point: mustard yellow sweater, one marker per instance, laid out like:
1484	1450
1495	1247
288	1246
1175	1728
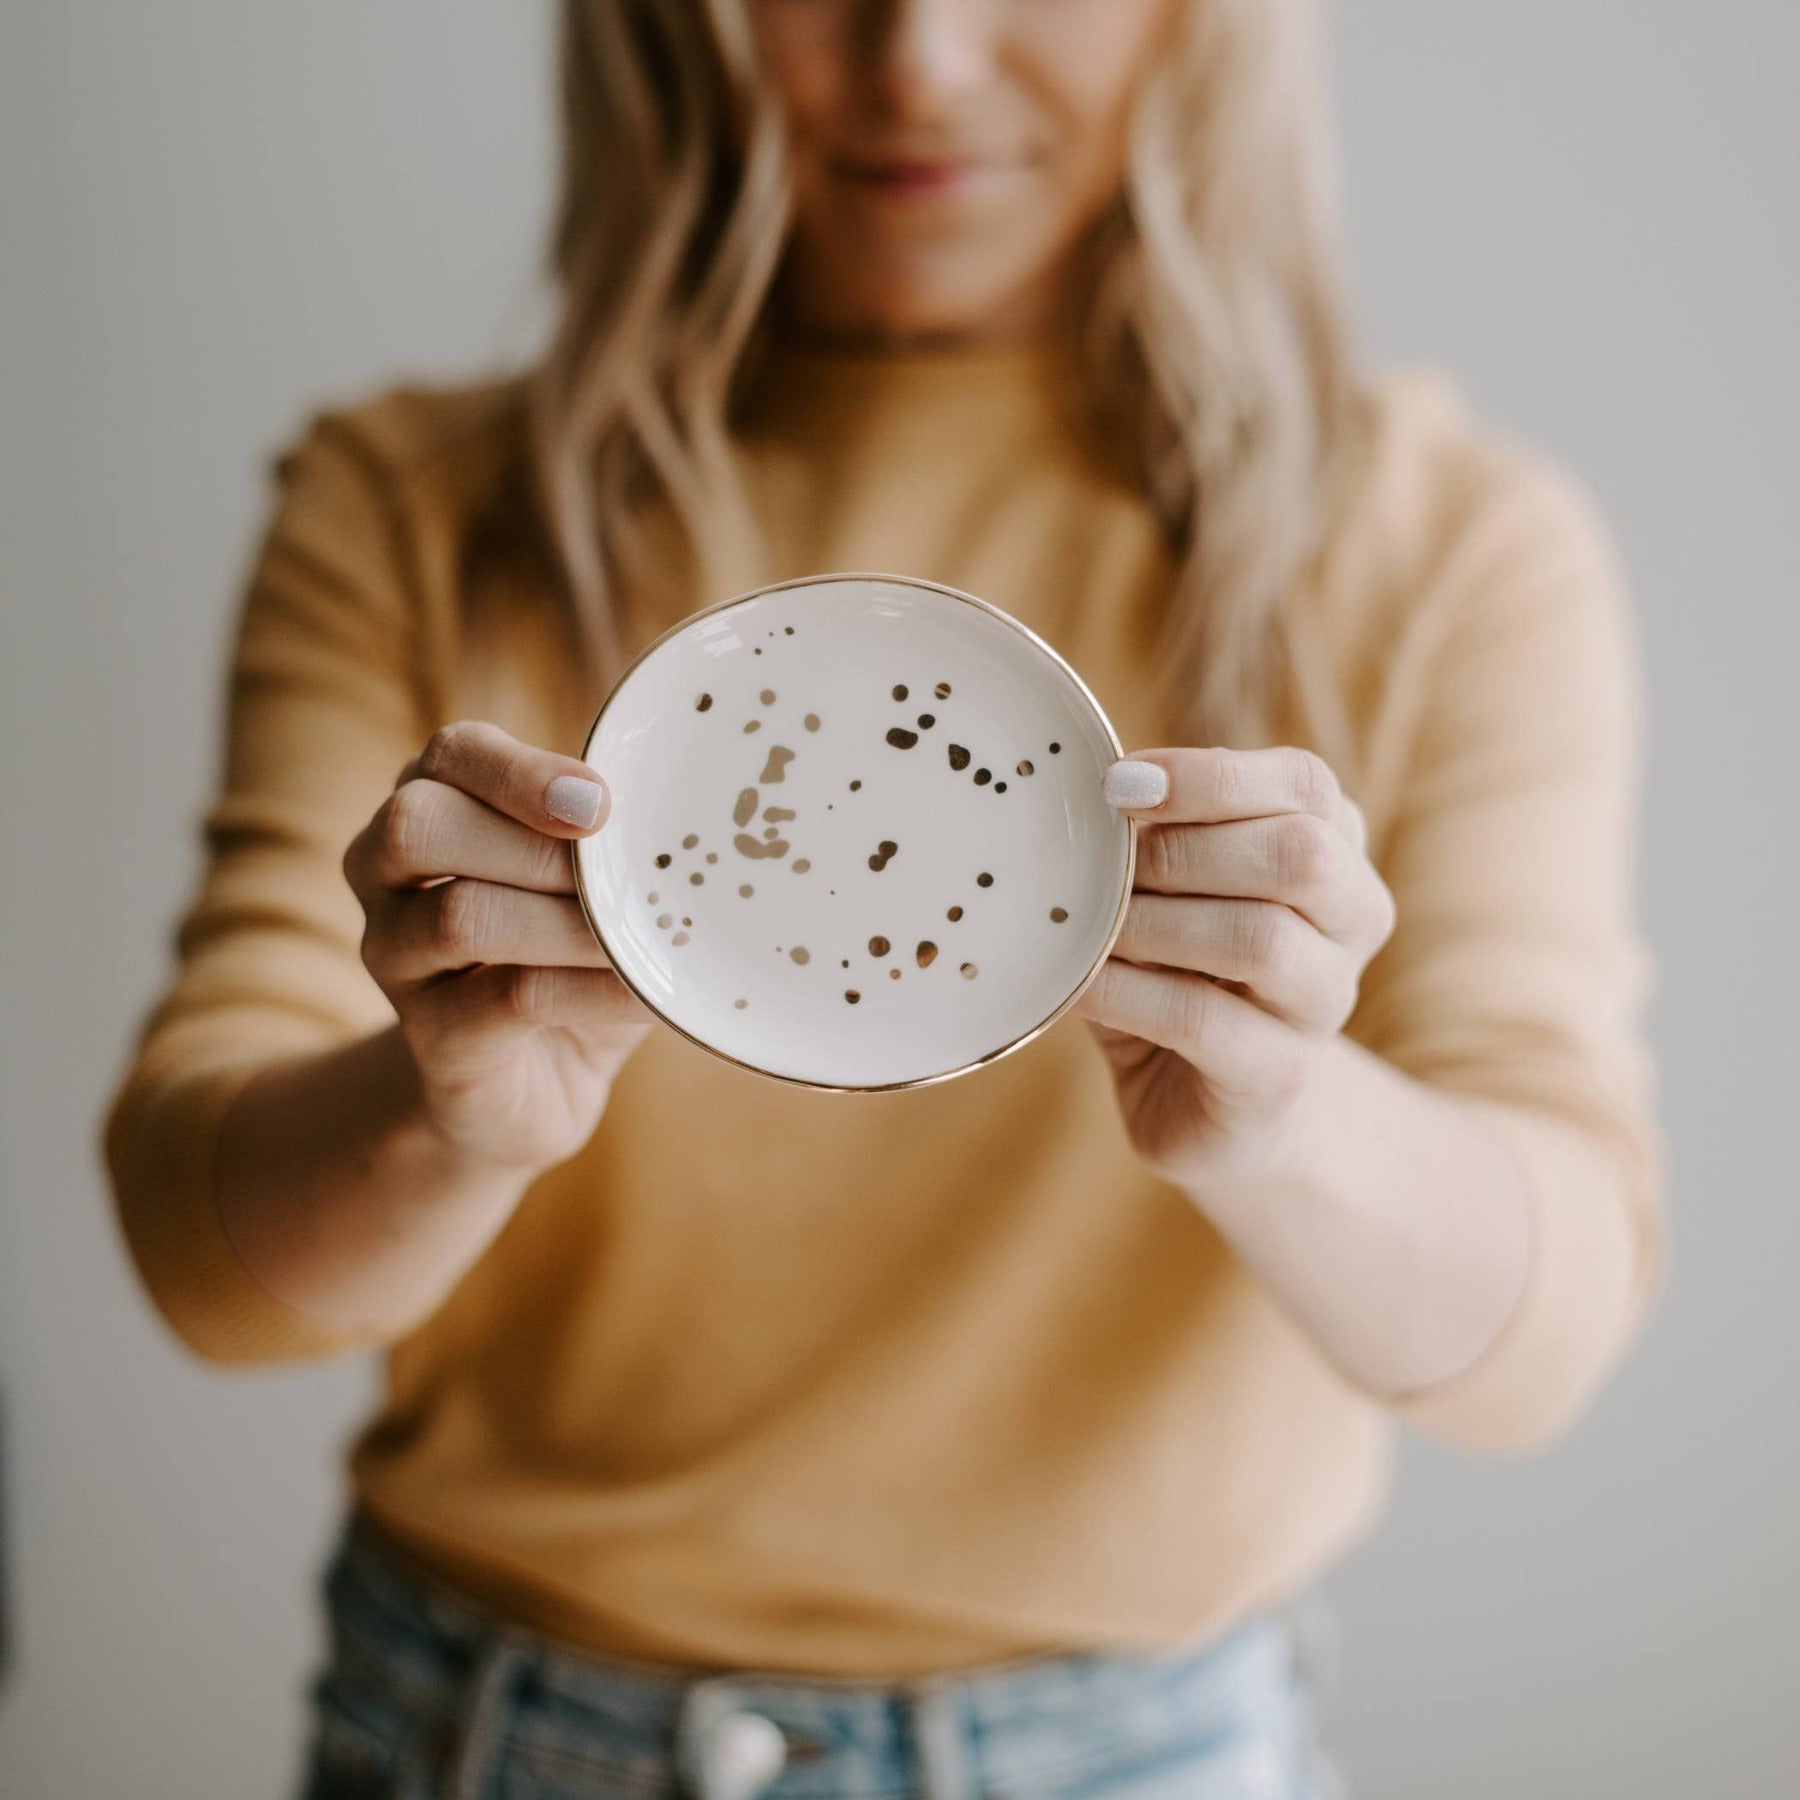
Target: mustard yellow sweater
874	1385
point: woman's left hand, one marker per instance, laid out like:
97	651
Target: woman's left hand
1253	914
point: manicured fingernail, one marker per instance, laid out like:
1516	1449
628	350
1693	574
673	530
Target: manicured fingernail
574	801
1134	784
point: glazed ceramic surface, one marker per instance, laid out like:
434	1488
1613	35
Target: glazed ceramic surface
857	837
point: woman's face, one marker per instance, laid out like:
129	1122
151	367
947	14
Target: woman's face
948	155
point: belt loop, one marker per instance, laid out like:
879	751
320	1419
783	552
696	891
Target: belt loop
482	1728
941	1737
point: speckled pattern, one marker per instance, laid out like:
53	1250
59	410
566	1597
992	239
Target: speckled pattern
873	805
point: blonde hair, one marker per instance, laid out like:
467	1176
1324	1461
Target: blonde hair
1213	342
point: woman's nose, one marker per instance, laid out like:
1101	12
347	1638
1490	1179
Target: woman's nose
926	54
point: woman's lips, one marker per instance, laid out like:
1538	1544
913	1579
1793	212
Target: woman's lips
917	177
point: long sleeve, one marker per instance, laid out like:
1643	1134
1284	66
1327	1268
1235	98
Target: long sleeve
324	707
1517	976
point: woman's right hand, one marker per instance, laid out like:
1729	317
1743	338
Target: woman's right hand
515	1019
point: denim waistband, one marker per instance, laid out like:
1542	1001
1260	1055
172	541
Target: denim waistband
500	1690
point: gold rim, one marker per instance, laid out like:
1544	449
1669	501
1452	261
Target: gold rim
917	1081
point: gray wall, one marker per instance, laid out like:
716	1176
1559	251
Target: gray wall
212	214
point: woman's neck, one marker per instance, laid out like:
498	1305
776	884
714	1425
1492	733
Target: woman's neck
805	314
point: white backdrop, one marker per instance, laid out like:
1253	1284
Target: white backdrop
212	216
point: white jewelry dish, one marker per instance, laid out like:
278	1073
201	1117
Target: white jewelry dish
857	839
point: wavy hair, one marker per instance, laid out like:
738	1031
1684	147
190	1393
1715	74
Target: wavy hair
1213	342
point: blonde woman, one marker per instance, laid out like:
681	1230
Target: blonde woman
987	1438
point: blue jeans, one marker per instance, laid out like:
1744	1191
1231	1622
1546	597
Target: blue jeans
425	1694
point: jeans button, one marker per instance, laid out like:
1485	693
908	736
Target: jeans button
745	1752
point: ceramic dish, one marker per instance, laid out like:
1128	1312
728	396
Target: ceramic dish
857	838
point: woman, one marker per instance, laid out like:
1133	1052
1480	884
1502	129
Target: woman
983	1438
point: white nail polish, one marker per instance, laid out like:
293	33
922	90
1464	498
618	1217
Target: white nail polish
573	800
1133	784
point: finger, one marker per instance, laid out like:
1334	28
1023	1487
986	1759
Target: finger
1288	967
549	792
419	933
533	996
425	829
1238	1047
1208	784
1294	858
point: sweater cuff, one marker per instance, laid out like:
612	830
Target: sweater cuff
1587	1281
161	1141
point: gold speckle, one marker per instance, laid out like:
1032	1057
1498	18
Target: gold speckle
893	974
746	845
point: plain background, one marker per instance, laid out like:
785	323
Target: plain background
213	215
